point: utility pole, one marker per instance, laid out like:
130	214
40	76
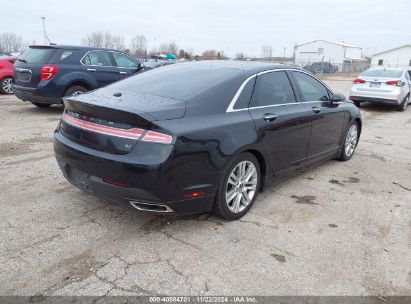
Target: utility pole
46	38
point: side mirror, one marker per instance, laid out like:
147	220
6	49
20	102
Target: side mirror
338	98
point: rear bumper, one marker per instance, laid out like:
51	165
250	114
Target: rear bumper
393	98
89	170
34	95
375	100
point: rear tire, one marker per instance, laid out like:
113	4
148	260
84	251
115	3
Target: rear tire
5	85
238	188
403	106
75	90
41	105
350	142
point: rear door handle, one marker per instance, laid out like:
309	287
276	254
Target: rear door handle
123	73
270	116
91	70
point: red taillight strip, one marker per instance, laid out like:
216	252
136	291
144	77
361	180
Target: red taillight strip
157	137
134	133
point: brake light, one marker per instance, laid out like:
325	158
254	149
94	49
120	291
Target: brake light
1	66
115	183
358	80
133	133
157	137
397	83
194	194
48	71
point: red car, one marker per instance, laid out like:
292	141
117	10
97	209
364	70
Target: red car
6	74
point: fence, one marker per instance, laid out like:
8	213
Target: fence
329	67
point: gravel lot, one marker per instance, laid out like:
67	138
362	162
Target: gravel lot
337	229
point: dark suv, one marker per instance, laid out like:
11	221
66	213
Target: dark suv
44	74
321	67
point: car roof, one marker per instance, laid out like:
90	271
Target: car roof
72	47
251	67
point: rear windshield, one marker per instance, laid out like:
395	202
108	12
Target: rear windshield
178	81
382	73
37	55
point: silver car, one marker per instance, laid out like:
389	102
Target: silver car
382	85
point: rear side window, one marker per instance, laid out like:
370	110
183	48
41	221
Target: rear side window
37	55
125	61
245	96
272	89
311	89
97	58
62	56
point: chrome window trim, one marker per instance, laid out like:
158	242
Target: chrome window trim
105	66
230	107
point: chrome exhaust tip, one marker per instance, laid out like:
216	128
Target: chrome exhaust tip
151	207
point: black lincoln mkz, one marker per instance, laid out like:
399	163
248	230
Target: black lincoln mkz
196	137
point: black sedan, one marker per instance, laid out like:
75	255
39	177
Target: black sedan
201	136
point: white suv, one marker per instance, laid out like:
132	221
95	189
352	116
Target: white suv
382	85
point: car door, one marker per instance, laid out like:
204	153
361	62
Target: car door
99	65
327	119
281	121
126	65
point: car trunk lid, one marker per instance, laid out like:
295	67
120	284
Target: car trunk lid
115	124
375	84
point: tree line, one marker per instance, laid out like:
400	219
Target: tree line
137	46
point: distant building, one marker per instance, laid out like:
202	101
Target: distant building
336	53
398	57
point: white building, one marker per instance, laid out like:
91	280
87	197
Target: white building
333	52
398	57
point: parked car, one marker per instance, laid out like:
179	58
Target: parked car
201	136
149	65
44	74
383	86
321	67
6	74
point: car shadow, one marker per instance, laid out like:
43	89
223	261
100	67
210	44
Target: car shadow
377	108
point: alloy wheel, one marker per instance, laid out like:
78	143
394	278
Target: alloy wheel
351	140
6	85
241	186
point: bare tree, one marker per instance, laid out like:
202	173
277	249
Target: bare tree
10	42
267	51
104	40
169	48
138	45
210	54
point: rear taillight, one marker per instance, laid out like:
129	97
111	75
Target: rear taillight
157	137
358	80
133	133
1	66
48	71
397	83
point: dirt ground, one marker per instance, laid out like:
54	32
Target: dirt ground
337	229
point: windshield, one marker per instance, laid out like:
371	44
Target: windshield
36	55
178	81
382	73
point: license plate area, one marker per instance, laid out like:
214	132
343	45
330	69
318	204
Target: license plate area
23	76
374	84
79	178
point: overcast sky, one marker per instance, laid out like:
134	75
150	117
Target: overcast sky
229	26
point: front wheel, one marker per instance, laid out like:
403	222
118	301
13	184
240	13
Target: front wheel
350	142
239	187
5	85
